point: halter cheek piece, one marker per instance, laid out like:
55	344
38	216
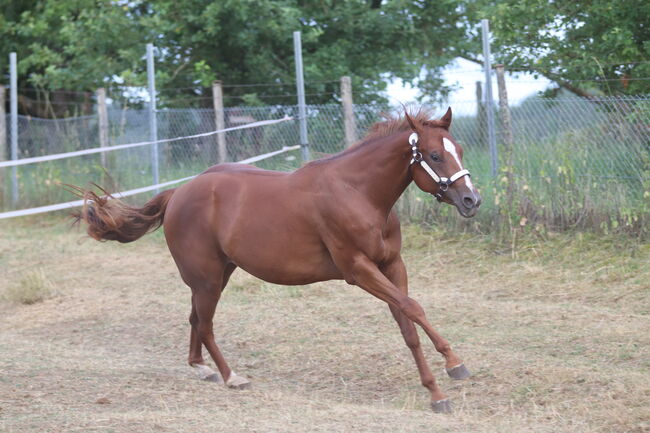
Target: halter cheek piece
443	182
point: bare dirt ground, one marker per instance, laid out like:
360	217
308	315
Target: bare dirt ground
556	332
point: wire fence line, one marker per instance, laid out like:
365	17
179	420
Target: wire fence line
596	151
105	149
77	203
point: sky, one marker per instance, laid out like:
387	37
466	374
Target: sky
464	74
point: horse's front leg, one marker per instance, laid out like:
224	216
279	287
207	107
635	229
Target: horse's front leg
396	273
391	287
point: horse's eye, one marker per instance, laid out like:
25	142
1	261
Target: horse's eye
435	157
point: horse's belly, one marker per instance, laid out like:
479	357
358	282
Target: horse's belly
282	257
286	267
291	275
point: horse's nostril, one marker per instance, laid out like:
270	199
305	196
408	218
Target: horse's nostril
468	201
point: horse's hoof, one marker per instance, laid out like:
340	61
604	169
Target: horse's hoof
206	373
458	372
238	382
441	406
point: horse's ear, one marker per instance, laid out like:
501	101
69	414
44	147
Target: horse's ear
410	121
445	121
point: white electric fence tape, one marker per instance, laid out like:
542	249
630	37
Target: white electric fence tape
23	161
76	203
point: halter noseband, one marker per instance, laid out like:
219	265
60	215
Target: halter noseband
443	182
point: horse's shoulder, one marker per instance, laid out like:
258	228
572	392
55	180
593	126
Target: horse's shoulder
393	225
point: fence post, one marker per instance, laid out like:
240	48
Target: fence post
153	123
102	117
13	81
219	120
300	87
488	96
506	127
3	140
349	124
504	109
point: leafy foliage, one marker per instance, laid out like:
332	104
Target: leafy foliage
589	47
251	42
72	45
84	44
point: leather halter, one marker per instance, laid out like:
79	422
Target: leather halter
443	182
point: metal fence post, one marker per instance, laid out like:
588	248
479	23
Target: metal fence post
219	120
348	111
481	130
13	81
488	96
153	124
300	87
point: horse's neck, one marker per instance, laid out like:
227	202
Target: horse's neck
379	169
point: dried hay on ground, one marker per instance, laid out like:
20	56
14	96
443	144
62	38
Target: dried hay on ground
557	336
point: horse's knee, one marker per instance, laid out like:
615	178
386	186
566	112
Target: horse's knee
411	309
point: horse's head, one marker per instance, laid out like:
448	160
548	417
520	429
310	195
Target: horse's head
437	166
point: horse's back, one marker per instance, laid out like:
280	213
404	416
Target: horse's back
232	167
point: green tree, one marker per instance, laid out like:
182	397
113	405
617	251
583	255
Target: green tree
589	47
80	45
250	41
75	46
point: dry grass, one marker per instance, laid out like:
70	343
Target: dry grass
34	286
557	333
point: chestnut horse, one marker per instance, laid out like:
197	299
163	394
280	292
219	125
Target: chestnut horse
330	219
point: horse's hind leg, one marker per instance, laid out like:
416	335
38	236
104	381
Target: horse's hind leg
195	358
205	302
205	296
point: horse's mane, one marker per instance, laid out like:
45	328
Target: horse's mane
396	122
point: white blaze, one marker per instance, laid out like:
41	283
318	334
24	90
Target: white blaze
450	148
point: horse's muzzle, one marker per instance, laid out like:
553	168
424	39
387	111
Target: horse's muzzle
468	203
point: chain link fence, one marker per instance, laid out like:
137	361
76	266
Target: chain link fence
575	162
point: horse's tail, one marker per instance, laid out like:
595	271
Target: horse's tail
110	219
